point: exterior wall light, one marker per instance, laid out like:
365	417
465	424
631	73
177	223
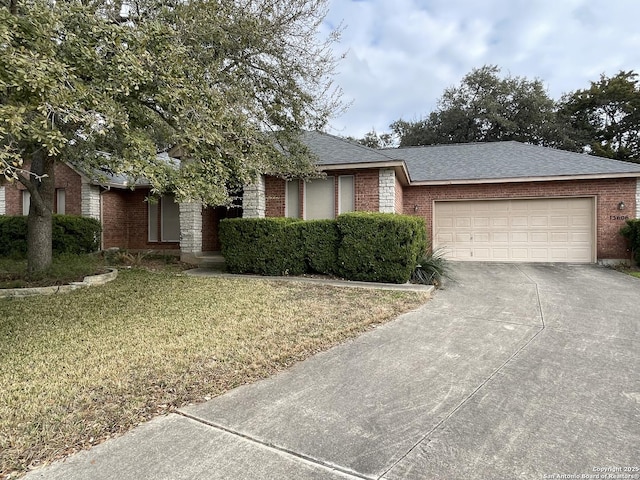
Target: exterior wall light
621	206
415	208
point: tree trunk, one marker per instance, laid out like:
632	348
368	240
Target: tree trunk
39	224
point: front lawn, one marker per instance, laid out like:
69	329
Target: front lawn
81	367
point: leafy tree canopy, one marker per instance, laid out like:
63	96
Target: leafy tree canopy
231	82
376	140
604	119
485	108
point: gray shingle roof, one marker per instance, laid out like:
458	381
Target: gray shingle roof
496	160
332	150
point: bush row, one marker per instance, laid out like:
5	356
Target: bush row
71	234
374	247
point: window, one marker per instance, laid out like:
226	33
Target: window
164	219
346	194
292	202
319	199
170	219
60	201
26	202
152	208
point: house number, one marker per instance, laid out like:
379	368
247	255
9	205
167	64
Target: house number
618	217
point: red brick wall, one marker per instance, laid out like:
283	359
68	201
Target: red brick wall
366	186
367	190
211	217
608	194
125	221
399	197
64	177
274	191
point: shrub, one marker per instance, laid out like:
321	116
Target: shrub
631	231
431	269
320	241
266	246
75	234
380	247
13	236
71	234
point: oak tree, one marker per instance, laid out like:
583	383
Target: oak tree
107	85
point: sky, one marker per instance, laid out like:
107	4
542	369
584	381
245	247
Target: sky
402	54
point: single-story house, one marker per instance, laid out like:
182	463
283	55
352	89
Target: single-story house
501	201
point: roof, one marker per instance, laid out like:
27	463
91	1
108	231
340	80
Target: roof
332	150
503	160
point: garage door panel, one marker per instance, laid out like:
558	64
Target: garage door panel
532	230
540	237
481	222
519	237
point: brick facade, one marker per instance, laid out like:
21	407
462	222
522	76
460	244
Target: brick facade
608	193
64	178
366	185
125	221
399	196
275	190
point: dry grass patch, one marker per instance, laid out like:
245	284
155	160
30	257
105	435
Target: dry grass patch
81	367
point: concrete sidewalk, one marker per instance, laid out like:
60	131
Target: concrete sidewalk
512	371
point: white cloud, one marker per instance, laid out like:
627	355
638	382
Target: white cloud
403	54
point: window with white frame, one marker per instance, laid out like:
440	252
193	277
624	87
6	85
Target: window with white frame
319	199
163	219
292	200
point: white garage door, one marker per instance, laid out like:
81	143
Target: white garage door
537	230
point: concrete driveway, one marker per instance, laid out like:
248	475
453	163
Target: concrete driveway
512	371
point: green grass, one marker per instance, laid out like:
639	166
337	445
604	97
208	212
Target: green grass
81	367
635	274
64	269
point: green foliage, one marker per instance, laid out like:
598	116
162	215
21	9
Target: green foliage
75	234
631	231
266	246
71	235
373	247
380	247
485	108
604	119
431	269
13	236
320	241
230	83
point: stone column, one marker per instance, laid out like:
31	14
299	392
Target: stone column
387	190
254	204
90	200
190	231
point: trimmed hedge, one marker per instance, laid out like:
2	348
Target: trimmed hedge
13	236
320	240
380	247
71	234
266	246
374	247
631	231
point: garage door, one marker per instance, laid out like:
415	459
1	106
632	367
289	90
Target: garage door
536	230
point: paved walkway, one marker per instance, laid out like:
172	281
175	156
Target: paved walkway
511	372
